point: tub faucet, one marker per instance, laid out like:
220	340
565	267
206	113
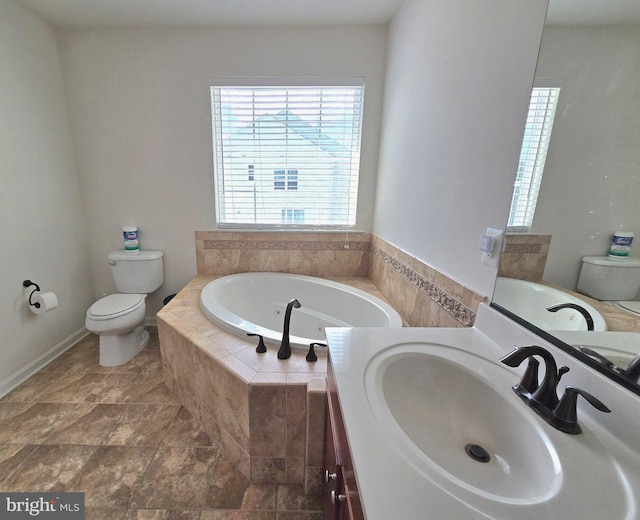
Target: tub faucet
574	306
285	347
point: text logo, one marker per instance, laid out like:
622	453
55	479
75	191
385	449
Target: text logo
45	506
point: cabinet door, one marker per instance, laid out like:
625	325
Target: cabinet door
334	494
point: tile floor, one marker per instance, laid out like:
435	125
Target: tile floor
118	435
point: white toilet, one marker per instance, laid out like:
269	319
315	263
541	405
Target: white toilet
611	279
118	318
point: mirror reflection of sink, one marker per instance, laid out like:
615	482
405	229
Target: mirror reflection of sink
529	300
453	416
618	347
443	408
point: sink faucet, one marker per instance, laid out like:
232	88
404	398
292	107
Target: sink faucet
574	306
543	398
285	348
545	393
632	372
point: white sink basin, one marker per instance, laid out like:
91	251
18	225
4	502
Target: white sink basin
444	409
430	401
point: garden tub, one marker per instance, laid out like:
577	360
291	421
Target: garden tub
255	303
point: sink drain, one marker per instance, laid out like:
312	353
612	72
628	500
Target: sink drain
477	453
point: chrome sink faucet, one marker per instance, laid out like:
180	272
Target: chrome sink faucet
543	397
575	307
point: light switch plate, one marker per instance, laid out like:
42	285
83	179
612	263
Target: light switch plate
492	257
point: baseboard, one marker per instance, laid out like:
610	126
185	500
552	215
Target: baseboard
25	373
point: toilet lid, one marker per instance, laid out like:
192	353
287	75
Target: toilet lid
115	305
631	306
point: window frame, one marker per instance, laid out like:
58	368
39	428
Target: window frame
533	174
294	175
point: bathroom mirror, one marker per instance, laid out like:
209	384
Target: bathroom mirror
591	182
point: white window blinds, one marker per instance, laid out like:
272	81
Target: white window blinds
300	145
533	154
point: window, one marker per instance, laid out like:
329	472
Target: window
302	145
278	180
537	134
292	216
291	180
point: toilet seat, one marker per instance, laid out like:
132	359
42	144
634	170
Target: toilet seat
115	305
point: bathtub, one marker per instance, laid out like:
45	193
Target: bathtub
530	300
256	302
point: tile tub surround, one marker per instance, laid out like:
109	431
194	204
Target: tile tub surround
267	413
423	296
524	256
322	254
120	437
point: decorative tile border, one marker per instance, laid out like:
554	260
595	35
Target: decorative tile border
522	248
456	309
286	245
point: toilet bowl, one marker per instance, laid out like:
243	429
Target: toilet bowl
611	279
118	319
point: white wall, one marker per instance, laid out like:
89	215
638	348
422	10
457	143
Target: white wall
458	80
591	183
42	232
140	116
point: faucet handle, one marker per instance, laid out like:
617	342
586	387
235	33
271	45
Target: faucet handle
565	415
311	356
261	348
529	382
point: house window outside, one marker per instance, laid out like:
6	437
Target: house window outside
292	179
285	179
278	180
292	216
303	147
533	154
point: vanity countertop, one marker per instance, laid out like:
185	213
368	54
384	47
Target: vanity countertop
393	483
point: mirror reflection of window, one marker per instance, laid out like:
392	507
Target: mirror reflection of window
535	143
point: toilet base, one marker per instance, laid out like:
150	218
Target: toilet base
118	349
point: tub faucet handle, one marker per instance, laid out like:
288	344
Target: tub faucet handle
261	348
311	356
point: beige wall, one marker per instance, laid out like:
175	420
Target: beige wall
457	88
141	120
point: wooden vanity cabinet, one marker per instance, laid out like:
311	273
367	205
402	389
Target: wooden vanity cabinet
341	498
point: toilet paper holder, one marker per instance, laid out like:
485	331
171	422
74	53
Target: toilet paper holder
29	283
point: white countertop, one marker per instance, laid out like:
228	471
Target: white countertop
392	487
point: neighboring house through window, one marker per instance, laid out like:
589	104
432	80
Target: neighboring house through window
284	143
285	180
533	154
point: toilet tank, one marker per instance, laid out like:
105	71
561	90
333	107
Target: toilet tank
136	273
605	278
